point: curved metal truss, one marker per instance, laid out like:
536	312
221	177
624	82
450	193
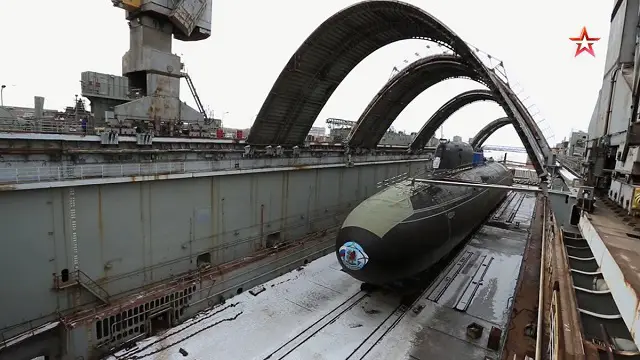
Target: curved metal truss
327	56
400	90
488	130
445	111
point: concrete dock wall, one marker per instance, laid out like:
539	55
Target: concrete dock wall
130	235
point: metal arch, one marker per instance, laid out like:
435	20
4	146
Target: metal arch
343	41
530	134
445	111
398	93
330	53
488	130
532	125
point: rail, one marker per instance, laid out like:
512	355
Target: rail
93	171
539	332
22	175
29	330
554	323
45	126
559	310
93	287
571	164
80	278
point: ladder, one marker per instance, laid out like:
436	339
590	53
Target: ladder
196	98
74	238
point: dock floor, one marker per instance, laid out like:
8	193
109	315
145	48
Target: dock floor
439	330
319	312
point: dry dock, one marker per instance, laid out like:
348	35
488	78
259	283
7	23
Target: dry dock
319	312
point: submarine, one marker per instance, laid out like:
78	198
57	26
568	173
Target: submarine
406	228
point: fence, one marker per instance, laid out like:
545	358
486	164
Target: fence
44	126
92	171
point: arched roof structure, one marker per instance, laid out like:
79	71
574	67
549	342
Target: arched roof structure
400	90
445	111
340	43
488	130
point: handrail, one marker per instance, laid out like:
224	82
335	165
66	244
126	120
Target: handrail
88	282
542	284
79	277
51	126
21	175
555	322
5	341
91	171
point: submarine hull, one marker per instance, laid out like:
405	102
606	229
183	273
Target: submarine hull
403	231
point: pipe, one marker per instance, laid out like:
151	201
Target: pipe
614	79
477	185
541	288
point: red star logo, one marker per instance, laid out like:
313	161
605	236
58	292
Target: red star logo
584	42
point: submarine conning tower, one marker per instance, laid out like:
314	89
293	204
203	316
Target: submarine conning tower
452	154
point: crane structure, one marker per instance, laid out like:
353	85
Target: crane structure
340	123
150	65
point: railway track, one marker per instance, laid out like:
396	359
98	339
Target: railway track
369	316
303	337
366	345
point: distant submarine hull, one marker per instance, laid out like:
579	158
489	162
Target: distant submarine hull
405	229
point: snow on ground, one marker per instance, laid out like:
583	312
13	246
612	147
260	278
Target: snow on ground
251	327
342	336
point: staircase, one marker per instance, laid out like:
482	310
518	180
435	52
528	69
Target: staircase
79	278
196	98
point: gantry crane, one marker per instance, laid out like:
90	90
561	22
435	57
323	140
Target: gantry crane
151	66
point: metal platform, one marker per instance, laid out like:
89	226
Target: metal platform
616	250
320	313
525	176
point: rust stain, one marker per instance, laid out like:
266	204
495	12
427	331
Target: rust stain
301	167
30	151
7	187
571	337
161	177
591	351
526	295
138	178
101	228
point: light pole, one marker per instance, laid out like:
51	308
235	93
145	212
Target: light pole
2	95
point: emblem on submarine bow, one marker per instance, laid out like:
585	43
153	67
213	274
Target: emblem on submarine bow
353	256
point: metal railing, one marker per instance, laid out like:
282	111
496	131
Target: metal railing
80	278
93	287
23	331
22	175
93	171
51	126
574	163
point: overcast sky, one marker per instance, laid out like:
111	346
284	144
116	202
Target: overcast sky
44	54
